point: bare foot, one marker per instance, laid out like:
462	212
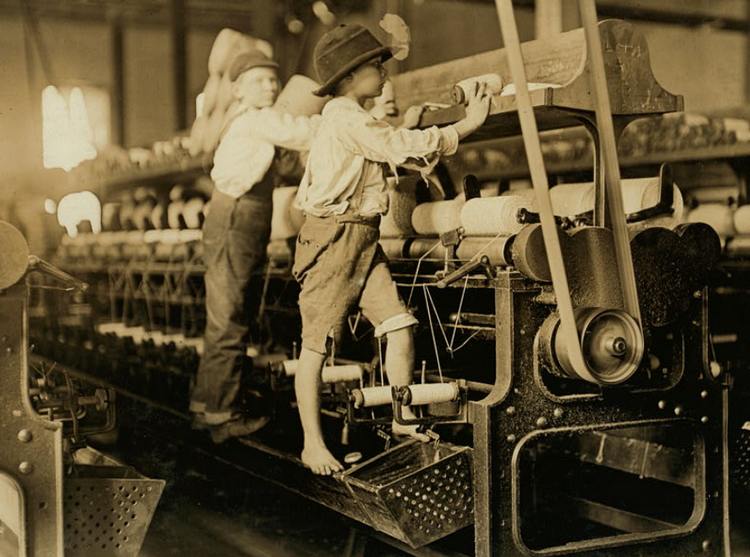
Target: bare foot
320	460
410	430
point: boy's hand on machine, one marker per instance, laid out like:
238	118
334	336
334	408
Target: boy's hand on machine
478	106
477	109
412	116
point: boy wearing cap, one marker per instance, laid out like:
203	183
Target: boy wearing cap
236	233
338	260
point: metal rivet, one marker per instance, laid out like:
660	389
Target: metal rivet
510	410
511	438
9	350
706	545
24	436
558	412
677	410
541	421
3	339
704	420
662	404
26	467
697	294
704	394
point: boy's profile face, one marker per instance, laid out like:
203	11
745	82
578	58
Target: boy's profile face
257	87
368	79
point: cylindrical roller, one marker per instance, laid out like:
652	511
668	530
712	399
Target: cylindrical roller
421	246
393	247
488	216
529	254
611	344
739	246
372	396
437	217
429	393
719	217
402	200
330	374
495	249
637	194
742	220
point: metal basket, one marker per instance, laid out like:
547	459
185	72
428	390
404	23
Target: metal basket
741	459
416	492
107	510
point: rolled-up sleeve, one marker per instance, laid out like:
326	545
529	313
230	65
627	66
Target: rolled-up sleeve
284	130
378	141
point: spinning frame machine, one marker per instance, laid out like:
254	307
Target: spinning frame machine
574	396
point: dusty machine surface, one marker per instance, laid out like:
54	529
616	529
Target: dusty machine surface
58	496
614	443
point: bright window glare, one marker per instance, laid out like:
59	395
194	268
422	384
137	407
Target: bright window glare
67	137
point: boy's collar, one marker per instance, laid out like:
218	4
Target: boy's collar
343	102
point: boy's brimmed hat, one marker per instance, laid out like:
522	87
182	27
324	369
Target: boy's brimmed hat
247	60
342	50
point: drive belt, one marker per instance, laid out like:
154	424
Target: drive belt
568	327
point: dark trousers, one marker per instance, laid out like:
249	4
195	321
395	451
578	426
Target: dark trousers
235	237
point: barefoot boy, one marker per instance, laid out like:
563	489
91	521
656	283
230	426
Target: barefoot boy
338	260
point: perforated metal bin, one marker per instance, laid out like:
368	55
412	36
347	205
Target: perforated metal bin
107	510
416	492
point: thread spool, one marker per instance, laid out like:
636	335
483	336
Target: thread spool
212	132
372	396
197	132
461	90
297	98
192	212
111	216
159	216
719	217
285	221
330	374
228	44
742	220
126	214
437	217
210	93
402	200
495	249
224	94
174	215
430	393
488	216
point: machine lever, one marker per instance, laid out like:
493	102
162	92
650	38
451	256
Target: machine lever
37	264
465	269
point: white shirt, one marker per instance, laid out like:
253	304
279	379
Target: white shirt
247	149
352	150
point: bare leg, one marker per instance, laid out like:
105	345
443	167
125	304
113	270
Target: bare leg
315	454
399	361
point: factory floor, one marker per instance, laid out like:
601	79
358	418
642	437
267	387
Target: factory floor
271	523
247	517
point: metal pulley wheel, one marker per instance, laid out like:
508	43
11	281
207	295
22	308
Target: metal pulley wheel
14	255
611	344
